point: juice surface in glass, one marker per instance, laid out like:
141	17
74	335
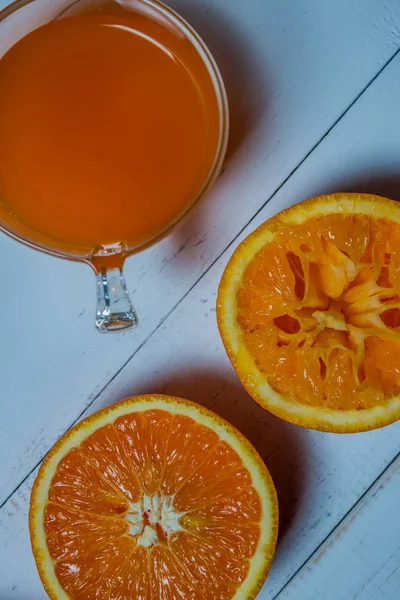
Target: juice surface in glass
109	128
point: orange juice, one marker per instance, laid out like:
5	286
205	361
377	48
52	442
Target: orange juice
109	127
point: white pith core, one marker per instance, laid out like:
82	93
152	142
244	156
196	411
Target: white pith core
153	519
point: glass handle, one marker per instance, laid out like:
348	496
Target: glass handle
114	306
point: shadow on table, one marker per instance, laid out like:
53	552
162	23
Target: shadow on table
280	445
381	183
236	60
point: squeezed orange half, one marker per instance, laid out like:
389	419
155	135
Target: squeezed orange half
309	312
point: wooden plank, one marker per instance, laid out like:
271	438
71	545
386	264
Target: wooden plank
319	477
360	560
289	78
19	579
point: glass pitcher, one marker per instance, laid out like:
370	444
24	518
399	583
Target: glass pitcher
27	173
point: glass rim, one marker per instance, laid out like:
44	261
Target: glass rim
223	109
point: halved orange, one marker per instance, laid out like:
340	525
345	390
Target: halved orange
154	498
309	313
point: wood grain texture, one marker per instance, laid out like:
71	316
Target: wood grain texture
360	560
319	477
291	69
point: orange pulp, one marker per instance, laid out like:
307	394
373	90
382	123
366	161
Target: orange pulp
320	311
109	127
153	505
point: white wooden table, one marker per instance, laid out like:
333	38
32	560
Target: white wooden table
314	89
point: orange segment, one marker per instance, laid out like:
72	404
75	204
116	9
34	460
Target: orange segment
71	533
106	453
89	575
241	507
271	288
167	580
198	556
213	479
79	485
198	441
131	578
144	438
309	312
153	498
